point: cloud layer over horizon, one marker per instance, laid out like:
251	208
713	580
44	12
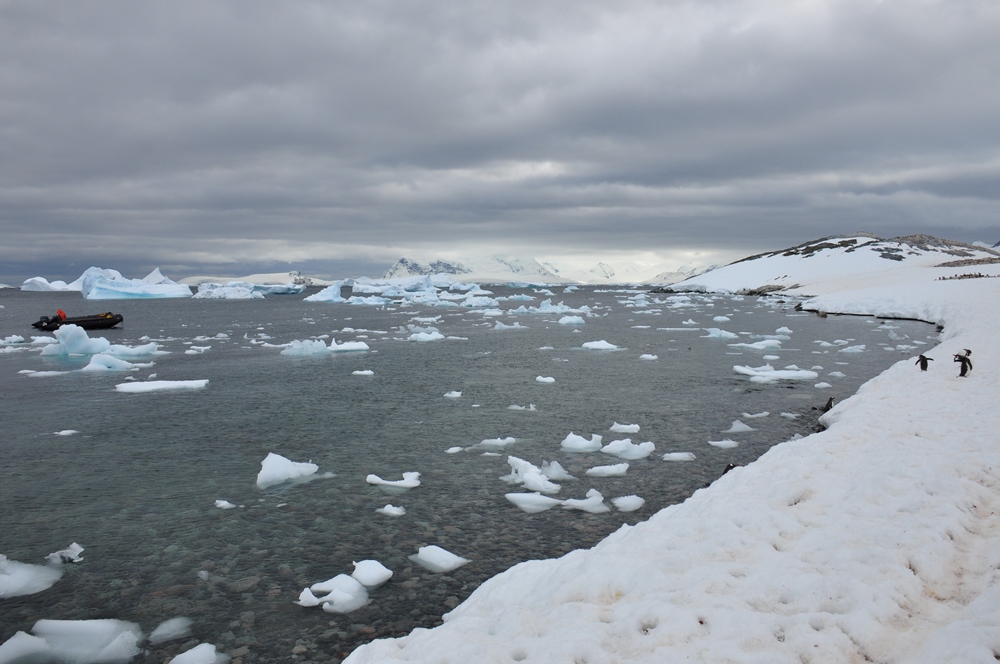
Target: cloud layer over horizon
240	136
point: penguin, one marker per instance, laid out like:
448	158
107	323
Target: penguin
922	361
966	364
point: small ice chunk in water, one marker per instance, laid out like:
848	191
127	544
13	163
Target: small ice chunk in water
224	505
371	573
454	394
752	416
106	640
725	443
554	471
168	630
307	598
571	320
532	503
101	362
530	475
275	469
162	385
628	503
409	481
23	579
391	510
530	406
544	379
789	416
679	456
66	432
70	554
648	356
454	450
617	470
497	443
738	427
345	594
625	428
626	449
593	503
363	372
575	443
24	648
600	345
822	386
436	559
203	653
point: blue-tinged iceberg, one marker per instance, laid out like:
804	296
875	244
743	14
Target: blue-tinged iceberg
102	284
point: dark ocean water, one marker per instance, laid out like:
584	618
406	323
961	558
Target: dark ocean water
136	487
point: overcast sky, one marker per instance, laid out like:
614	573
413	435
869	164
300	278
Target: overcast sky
335	137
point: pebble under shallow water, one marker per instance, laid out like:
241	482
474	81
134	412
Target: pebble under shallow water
136	487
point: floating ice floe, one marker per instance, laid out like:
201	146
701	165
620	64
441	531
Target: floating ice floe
275	469
617	470
544	379
753	416
363	372
575	443
73	340
624	428
626	449
234	290
822	386
85	641
724	444
600	345
224	504
768	374
853	349
307	347
530	475
530	406
496	443
571	320
371	573
99	363
341	594
18	578
454	394
648	356
391	510
409	481
716	333
628	503
532	503
554	471
679	456
503	326
66	432
169	630
454	450
720	319
203	653
436	559
766	344
738	427
162	385
593	503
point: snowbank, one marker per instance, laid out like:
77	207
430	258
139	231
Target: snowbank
875	540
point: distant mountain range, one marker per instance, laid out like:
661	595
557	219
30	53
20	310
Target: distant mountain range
502	269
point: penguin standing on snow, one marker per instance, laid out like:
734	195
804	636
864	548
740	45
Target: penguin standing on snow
922	361
966	363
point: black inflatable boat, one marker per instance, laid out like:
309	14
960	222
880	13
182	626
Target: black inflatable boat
92	322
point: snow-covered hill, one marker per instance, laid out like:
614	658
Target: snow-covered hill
843	263
876	540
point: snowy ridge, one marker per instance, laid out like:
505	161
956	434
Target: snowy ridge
875	540
840	263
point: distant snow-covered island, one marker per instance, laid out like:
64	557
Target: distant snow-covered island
876	540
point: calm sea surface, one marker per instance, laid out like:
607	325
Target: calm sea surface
137	486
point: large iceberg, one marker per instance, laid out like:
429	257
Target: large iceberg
102	284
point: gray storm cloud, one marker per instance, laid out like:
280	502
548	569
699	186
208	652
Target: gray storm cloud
222	135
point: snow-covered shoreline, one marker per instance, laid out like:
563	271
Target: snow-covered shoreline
875	540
